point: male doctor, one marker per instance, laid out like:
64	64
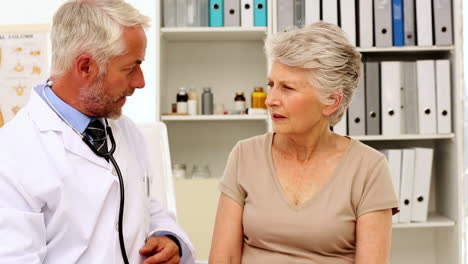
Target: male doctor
59	200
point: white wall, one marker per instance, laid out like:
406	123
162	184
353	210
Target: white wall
143	106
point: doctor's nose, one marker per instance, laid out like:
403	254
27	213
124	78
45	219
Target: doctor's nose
138	80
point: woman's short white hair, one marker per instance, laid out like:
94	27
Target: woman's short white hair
334	63
91	27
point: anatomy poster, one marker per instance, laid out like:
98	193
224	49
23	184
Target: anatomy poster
23	64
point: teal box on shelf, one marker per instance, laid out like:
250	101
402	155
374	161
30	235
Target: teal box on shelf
216	13
260	13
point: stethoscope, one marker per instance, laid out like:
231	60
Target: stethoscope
107	155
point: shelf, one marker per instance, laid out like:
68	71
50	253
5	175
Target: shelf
403	137
433	220
404	49
213	33
213	117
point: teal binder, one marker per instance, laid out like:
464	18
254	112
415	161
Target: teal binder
216	13
260	13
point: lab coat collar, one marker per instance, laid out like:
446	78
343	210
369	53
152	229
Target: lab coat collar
47	120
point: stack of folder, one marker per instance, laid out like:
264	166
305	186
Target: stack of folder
411	171
215	13
400	97
374	23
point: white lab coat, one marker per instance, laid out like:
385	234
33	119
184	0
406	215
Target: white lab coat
59	202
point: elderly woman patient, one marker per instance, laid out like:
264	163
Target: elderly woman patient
303	194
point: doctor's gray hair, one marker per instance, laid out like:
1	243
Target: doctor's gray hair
334	63
91	27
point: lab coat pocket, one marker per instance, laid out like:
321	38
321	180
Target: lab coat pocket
25	233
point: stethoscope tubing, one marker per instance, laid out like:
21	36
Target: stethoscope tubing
110	156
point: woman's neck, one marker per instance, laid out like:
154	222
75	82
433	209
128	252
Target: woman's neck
304	147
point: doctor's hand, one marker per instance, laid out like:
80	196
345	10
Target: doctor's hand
162	250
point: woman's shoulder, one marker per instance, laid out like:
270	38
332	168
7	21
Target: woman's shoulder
364	152
255	143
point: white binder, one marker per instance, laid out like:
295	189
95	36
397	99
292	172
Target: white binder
366	24
394	163
383	23
421	184
341	127
193	13
203	11
443	95
406	184
284	15
409	22
424	22
443	22
410	98
426	95
299	13
348	19
391	97
170	13
357	109
247	13
330	11
312	11
181	18
231	13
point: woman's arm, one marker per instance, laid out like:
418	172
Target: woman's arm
226	246
373	237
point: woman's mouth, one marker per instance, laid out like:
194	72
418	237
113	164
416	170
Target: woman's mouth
277	117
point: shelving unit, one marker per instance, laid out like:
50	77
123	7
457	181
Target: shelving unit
403	137
434	220
214	117
213	33
232	59
228	59
407	49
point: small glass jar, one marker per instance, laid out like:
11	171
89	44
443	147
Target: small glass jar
182	98
179	171
201	172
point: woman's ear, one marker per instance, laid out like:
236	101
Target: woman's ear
336	99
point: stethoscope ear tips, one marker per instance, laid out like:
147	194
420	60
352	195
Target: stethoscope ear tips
49	83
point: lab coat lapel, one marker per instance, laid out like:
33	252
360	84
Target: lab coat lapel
74	144
47	120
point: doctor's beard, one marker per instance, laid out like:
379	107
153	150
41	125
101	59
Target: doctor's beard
98	102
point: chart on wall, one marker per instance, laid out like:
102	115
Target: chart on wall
23	64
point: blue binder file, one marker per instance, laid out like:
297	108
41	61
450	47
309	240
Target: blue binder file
260	13
216	13
397	22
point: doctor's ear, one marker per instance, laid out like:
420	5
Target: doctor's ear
335	99
86	67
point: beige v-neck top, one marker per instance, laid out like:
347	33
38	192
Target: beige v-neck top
321	230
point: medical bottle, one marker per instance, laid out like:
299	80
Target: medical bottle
207	101
192	101
239	103
182	98
258	98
